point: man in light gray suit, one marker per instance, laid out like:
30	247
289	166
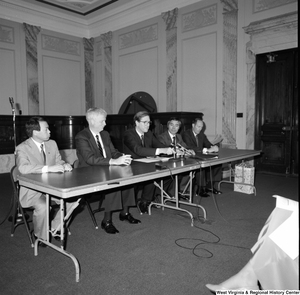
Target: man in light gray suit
39	154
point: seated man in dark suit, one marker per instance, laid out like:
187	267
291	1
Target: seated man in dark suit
197	140
36	155
139	142
94	147
172	138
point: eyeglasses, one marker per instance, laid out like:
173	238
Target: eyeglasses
146	122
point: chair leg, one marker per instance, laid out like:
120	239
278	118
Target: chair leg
18	212
26	226
13	219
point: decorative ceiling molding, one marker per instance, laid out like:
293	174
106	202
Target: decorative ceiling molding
81	7
123	14
45	19
273	34
284	20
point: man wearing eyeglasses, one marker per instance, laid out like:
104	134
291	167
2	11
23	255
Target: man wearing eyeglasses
139	142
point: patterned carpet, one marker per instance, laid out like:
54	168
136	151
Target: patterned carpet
162	255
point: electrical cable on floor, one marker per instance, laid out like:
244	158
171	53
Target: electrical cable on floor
213	195
204	242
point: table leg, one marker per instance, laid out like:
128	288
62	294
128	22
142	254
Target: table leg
48	242
176	200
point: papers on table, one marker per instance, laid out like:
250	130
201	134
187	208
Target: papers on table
152	159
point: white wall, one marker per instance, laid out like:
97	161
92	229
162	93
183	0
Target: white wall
136	63
12	68
142	66
61	74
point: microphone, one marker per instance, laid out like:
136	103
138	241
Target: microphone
183	149
172	145
11	100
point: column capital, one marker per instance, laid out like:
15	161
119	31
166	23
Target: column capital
106	38
229	5
88	44
170	18
31	32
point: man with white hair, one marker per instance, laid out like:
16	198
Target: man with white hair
94	147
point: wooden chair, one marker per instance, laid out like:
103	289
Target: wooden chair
18	214
88	205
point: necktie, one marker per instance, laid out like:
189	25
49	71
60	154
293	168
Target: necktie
99	145
197	140
142	139
174	140
43	154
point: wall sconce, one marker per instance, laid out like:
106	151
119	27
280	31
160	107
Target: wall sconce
271	57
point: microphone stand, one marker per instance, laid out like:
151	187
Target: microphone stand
11	100
18	218
175	158
184	150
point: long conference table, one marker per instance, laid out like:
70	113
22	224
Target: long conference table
81	181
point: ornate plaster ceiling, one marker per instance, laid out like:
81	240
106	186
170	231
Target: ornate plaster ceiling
84	8
81	7
85	18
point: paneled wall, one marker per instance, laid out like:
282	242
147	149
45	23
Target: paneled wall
12	67
136	65
198	58
199	62
62	72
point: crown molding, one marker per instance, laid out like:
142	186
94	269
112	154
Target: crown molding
133	13
121	16
45	18
288	20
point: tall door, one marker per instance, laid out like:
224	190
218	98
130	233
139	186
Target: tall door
276	130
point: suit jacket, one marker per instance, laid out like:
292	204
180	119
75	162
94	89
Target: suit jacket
29	160
88	152
190	140
166	139
89	155
133	144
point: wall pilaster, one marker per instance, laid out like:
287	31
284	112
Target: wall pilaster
31	33
107	43
170	19
229	90
89	72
